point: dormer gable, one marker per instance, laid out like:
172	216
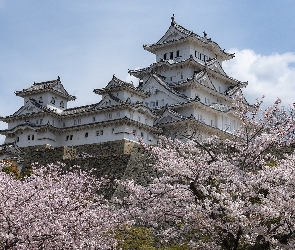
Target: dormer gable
122	90
108	101
174	32
168	115
203	78
30	107
213	64
160	93
54	86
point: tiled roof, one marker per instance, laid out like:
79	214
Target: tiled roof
187	34
153	68
41	87
116	83
160	80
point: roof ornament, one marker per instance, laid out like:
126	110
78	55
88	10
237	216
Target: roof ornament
205	34
172	20
58	78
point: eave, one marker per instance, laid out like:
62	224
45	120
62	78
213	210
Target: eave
47	127
184	63
119	88
199	125
25	93
193	38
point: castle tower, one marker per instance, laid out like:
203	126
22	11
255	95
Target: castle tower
189	85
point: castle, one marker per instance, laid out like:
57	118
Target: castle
184	93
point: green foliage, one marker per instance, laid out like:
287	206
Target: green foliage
140	238
135	238
11	168
271	163
176	247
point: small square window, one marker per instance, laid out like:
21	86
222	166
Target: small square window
67	138
71	137
29	137
86	134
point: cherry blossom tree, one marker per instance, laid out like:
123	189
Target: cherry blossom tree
233	194
54	210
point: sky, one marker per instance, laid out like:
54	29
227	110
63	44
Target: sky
86	42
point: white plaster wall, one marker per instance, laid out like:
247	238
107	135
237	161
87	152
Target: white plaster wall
183	52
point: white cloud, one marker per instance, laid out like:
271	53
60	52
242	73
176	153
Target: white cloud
272	75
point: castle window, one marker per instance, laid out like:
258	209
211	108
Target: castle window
41	121
93	119
181	76
97	133
219	90
138	119
101	132
147	104
110	116
113	130
171	55
200	56
157	103
86	134
52	100
79	121
62	105
141	134
75	122
71	137
29	137
63	124
33	137
37	122
177	53
67	138
17	139
40	99
165	57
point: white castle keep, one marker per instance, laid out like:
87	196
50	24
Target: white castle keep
184	93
